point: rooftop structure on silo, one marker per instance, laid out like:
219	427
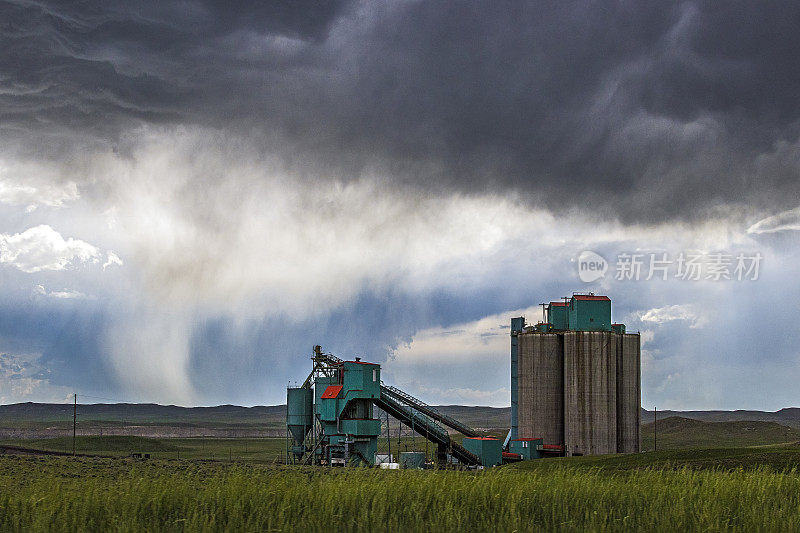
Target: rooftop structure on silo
589	312
557	315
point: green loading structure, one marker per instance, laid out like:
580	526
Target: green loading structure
330	417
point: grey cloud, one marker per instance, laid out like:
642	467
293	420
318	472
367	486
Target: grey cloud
648	110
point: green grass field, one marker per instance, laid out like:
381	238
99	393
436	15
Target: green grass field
674	433
265	450
218	484
777	458
677	432
251	450
715	490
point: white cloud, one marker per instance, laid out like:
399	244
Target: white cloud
43	248
21	380
786	221
112	259
67	294
296	247
63	294
34	185
473	354
660	315
466	396
482	340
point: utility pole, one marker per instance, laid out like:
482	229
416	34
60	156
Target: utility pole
655	430
413	435
388	438
74	421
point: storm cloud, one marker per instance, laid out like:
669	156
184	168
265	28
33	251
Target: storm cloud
192	194
646	111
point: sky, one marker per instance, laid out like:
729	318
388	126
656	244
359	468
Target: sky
193	195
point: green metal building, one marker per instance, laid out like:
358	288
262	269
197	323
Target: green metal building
345	411
412	460
526	448
488	449
588	312
557	315
581	312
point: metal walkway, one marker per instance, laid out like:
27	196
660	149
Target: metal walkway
419	405
425	426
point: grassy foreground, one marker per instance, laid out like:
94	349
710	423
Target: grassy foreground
89	494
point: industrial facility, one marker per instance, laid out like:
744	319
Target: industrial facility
575	390
330	418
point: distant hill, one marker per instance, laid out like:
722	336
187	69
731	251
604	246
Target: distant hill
41	420
479	417
680	432
26	420
789	416
273	416
142	413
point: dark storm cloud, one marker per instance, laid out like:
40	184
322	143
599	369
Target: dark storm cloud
653	109
88	70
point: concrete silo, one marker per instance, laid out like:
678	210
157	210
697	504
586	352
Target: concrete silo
629	393
590	394
541	388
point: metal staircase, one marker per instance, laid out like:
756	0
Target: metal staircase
421	406
423	424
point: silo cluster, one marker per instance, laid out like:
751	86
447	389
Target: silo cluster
576	379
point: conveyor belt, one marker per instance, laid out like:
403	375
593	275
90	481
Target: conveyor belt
419	405
425	426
